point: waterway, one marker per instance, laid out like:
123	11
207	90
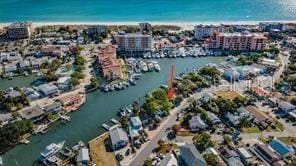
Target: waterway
99	108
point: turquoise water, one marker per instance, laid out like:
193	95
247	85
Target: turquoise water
146	10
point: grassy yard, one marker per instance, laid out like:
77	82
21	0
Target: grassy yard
228	94
253	129
288	140
99	154
166	148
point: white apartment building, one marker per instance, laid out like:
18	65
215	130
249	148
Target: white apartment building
202	31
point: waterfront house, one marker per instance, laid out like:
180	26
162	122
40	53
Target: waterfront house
53	108
135	126
48	89
118	138
24	65
231	75
7	118
281	148
31	94
266	153
196	123
190	156
10	68
34	113
83	157
36	63
286	106
110	66
71	99
10	57
64	83
14	94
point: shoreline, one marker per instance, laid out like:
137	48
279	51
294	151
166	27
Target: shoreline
183	25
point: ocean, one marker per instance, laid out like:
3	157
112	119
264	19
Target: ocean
147	10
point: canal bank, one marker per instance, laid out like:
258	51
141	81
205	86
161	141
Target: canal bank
99	108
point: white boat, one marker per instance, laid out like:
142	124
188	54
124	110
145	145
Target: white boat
1	161
128	110
111	88
162	55
106	88
105	126
150	66
52	149
157	67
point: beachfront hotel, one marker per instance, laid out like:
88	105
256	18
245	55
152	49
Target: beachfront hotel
20	30
97	29
202	31
238	41
134	43
109	64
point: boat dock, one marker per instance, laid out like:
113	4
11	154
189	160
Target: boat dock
115	121
65	118
108	128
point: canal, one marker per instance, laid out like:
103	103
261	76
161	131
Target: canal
99	108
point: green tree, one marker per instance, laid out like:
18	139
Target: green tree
202	141
211	159
148	162
94	82
226	139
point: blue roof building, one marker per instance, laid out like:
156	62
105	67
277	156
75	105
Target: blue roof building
281	148
191	156
135	126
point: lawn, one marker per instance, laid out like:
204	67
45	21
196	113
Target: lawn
253	129
228	94
99	154
166	148
288	140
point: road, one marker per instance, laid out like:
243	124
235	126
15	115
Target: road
146	149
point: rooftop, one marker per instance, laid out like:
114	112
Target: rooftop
30	113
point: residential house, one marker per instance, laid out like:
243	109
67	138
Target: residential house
169	160
196	123
286	106
64	83
243	113
191	156
233	119
34	113
10	57
226	153
53	108
234	161
135	126
48	89
266	153
14	94
231	74
53	51
10	68
270	62
118	138
260	118
71	99
83	157
246	156
281	148
24	65
214	118
31	94
36	63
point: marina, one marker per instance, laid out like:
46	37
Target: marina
99	108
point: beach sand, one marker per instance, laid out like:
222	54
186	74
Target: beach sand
183	25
